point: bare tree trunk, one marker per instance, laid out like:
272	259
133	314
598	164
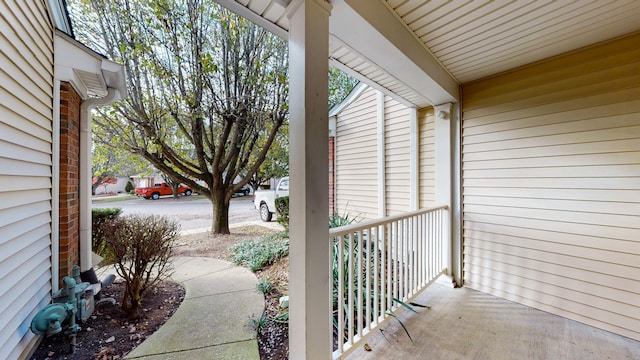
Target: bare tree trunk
220	203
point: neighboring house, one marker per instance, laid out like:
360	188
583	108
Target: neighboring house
48	82
117	188
522	117
373	160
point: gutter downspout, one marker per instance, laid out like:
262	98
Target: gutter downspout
55	192
86	267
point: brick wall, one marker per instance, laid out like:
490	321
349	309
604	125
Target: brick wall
69	178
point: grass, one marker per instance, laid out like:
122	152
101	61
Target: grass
258	253
114	198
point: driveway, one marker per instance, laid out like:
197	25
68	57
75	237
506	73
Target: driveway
192	212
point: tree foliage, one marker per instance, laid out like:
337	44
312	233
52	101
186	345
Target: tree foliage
207	90
340	85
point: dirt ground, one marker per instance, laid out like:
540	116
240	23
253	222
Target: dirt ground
108	335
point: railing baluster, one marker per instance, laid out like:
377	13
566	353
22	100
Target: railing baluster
394	257
340	300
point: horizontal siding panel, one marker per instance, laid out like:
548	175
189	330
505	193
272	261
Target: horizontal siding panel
17	112
585	293
557	183
491	241
624	121
18	213
15	236
15	151
593	82
20	198
598	231
622	158
596	59
613	196
15	136
484	253
578	115
621	221
619	96
486	258
12	183
586	206
17	167
551	186
582	237
578	171
603	141
426	158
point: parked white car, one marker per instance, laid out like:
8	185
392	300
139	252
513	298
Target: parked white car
264	200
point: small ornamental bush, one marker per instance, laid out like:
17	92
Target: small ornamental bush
141	251
256	254
282	209
129	187
98	218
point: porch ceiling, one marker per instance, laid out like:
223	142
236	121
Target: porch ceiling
419	51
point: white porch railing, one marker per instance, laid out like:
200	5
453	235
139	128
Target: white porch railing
378	264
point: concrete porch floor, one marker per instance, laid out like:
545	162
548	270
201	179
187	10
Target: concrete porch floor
467	324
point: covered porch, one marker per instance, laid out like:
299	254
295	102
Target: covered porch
462	323
534	109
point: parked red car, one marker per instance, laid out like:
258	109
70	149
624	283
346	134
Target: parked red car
161	189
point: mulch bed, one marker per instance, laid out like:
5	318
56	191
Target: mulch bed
108	335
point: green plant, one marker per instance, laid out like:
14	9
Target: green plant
98	241
129	187
282	208
258	323
141	249
255	254
282	317
264	286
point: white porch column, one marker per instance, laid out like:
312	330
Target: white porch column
444	185
309	276
414	155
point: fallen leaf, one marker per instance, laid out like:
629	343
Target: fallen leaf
367	347
110	340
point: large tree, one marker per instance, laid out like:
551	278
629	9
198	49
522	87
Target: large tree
207	90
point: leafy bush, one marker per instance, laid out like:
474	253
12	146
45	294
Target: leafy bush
282	208
129	187
264	286
255	254
141	249
98	218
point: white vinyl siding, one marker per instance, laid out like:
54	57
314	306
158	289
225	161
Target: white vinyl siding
427	179
551	186
26	90
356	162
397	154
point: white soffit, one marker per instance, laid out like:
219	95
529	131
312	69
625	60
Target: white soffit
468	39
90	73
479	38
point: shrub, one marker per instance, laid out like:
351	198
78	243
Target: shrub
255	254
98	218
141	249
264	286
129	187
282	208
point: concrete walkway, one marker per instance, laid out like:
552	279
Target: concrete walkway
213	320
